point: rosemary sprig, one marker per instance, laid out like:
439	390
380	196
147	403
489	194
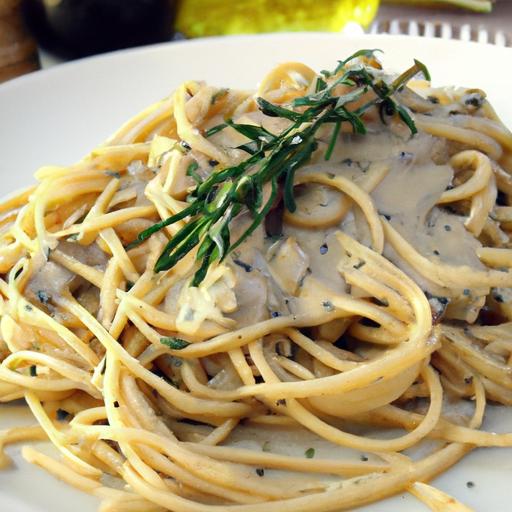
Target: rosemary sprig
274	159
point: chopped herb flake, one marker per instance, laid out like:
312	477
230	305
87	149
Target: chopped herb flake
176	361
360	264
214	129
328	305
62	415
245	266
260	471
219	95
498	297
474	100
309	453
42	296
33	371
174	343
113	174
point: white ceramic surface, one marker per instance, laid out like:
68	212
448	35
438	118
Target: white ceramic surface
58	115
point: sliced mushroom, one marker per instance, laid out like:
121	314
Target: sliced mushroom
289	265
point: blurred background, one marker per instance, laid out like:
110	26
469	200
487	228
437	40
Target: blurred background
35	33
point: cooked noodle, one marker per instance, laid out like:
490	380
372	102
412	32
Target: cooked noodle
386	291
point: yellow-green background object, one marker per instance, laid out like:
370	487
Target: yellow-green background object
199	18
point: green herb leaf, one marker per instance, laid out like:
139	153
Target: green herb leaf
214	129
191	171
253	132
320	85
259	217
113	174
62	415
332	142
271	110
406	118
309	453
174	343
418	67
144	235
360	53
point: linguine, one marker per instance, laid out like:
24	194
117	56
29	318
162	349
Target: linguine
369	292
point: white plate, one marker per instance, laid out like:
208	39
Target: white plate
57	116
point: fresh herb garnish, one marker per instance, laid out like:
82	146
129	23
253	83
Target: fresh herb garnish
174	343
191	171
273	161
33	370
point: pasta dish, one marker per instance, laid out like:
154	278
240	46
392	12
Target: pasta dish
324	262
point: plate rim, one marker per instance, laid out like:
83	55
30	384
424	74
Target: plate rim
66	66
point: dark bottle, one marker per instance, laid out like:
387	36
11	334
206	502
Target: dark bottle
76	28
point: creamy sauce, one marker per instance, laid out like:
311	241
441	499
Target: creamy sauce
297	271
